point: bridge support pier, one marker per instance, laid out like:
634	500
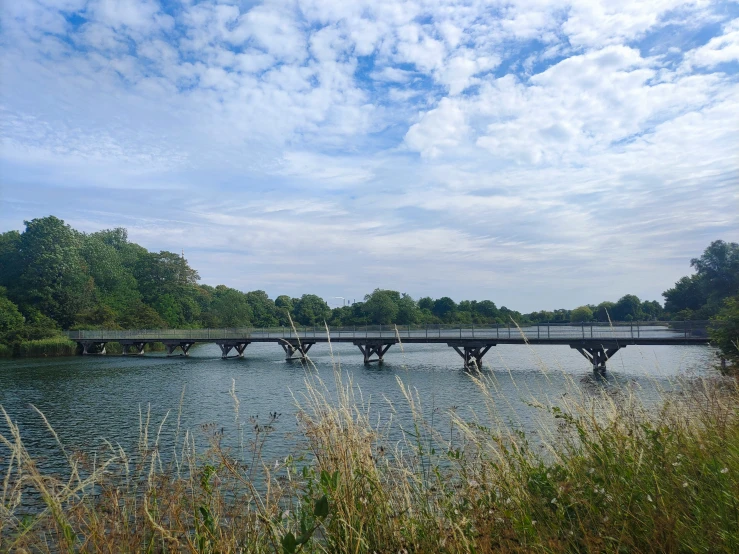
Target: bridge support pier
182	345
92	347
226	347
292	346
472	353
135	347
598	355
370	349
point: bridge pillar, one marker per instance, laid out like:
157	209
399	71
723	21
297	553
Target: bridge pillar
292	346
137	347
471	353
92	347
597	355
226	347
377	348
172	346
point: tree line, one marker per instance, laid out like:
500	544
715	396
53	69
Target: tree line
53	277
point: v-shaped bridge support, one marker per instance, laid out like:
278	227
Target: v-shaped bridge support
292	346
597	355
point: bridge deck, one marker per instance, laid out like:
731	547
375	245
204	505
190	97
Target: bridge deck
637	333
597	343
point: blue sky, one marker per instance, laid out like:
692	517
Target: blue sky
538	153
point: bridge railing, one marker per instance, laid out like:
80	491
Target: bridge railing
544	331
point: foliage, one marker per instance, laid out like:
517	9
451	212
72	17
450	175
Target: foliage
583	313
59	278
701	295
726	335
311	310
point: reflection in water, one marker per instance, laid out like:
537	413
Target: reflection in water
88	399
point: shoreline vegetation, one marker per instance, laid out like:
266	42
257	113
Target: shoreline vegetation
601	473
53	277
57	347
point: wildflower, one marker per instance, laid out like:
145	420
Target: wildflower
675	464
591	470
533	522
685	484
649	498
605	519
725	470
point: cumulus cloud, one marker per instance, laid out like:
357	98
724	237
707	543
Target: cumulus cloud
382	143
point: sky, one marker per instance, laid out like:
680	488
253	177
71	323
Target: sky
538	153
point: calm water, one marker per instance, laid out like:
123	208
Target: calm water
88	399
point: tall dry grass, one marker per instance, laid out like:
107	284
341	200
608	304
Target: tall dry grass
603	474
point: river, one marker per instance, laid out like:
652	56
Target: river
88	399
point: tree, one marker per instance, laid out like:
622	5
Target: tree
382	306
140	316
628	308
262	308
726	335
229	308
408	312
11	320
719	266
311	310
716	279
444	308
581	314
10	266
283	306
114	282
100	316
52	275
487	310
689	293
604	311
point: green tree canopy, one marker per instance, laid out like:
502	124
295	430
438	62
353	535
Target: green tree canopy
52	277
581	314
311	310
382	306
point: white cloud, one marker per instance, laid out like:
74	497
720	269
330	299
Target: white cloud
551	143
720	49
440	128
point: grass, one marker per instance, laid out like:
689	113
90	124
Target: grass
47	347
603	474
59	346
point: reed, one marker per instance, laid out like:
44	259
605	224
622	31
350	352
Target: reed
604	473
55	346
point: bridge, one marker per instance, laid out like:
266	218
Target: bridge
595	341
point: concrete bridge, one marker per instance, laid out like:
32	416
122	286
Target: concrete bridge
597	342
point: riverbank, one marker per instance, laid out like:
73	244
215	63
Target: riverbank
59	347
610	475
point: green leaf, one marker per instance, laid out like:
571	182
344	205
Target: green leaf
289	543
335	480
321	507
